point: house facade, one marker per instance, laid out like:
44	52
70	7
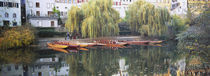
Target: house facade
10	14
40	13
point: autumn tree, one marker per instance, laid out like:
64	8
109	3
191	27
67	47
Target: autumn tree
147	19
94	19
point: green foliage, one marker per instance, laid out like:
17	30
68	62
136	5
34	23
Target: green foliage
96	18
197	35
17	37
49	32
55	11
177	26
17	56
146	19
75	17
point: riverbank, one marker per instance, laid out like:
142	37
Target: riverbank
41	42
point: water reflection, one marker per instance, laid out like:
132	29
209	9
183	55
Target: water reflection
132	61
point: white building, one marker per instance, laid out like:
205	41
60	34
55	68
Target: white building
11	70
40	13
121	6
179	7
10	14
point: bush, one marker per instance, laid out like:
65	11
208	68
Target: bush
17	37
49	32
177	26
197	36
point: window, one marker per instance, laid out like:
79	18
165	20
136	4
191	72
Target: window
1	4
9	68
6	15
50	13
5	4
17	5
14	15
37	13
9	4
16	66
61	13
15	24
37	4
52	25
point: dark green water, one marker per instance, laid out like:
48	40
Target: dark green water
104	61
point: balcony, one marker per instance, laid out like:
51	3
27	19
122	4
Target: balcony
43	16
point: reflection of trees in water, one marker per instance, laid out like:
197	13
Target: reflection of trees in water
140	59
95	62
23	55
150	60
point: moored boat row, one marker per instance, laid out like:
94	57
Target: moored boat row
65	45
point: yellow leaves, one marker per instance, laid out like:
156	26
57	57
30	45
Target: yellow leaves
97	18
144	18
17	37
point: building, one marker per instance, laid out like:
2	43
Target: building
40	13
178	7
10	14
11	70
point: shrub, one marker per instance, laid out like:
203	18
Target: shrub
17	37
177	26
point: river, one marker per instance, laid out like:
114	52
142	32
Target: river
134	60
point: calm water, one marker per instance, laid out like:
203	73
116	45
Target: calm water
135	60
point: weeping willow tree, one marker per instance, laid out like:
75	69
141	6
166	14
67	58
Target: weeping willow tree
95	19
146	19
75	18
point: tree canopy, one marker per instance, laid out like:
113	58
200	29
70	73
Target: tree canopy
94	19
146	19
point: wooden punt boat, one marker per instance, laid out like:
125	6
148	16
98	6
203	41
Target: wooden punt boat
155	42
118	44
57	45
59	49
86	44
137	42
83	49
143	42
76	44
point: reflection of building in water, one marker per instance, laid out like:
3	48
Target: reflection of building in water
42	67
181	64
11	70
123	68
49	67
176	69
